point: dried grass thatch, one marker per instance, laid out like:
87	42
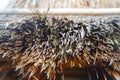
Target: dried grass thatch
40	48
64	4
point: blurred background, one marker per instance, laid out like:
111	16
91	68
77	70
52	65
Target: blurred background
3	3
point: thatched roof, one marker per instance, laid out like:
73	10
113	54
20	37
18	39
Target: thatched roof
41	47
64	4
46	45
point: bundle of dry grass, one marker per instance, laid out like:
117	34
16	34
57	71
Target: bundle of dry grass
41	47
64	4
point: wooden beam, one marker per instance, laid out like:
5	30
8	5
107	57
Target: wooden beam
62	11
